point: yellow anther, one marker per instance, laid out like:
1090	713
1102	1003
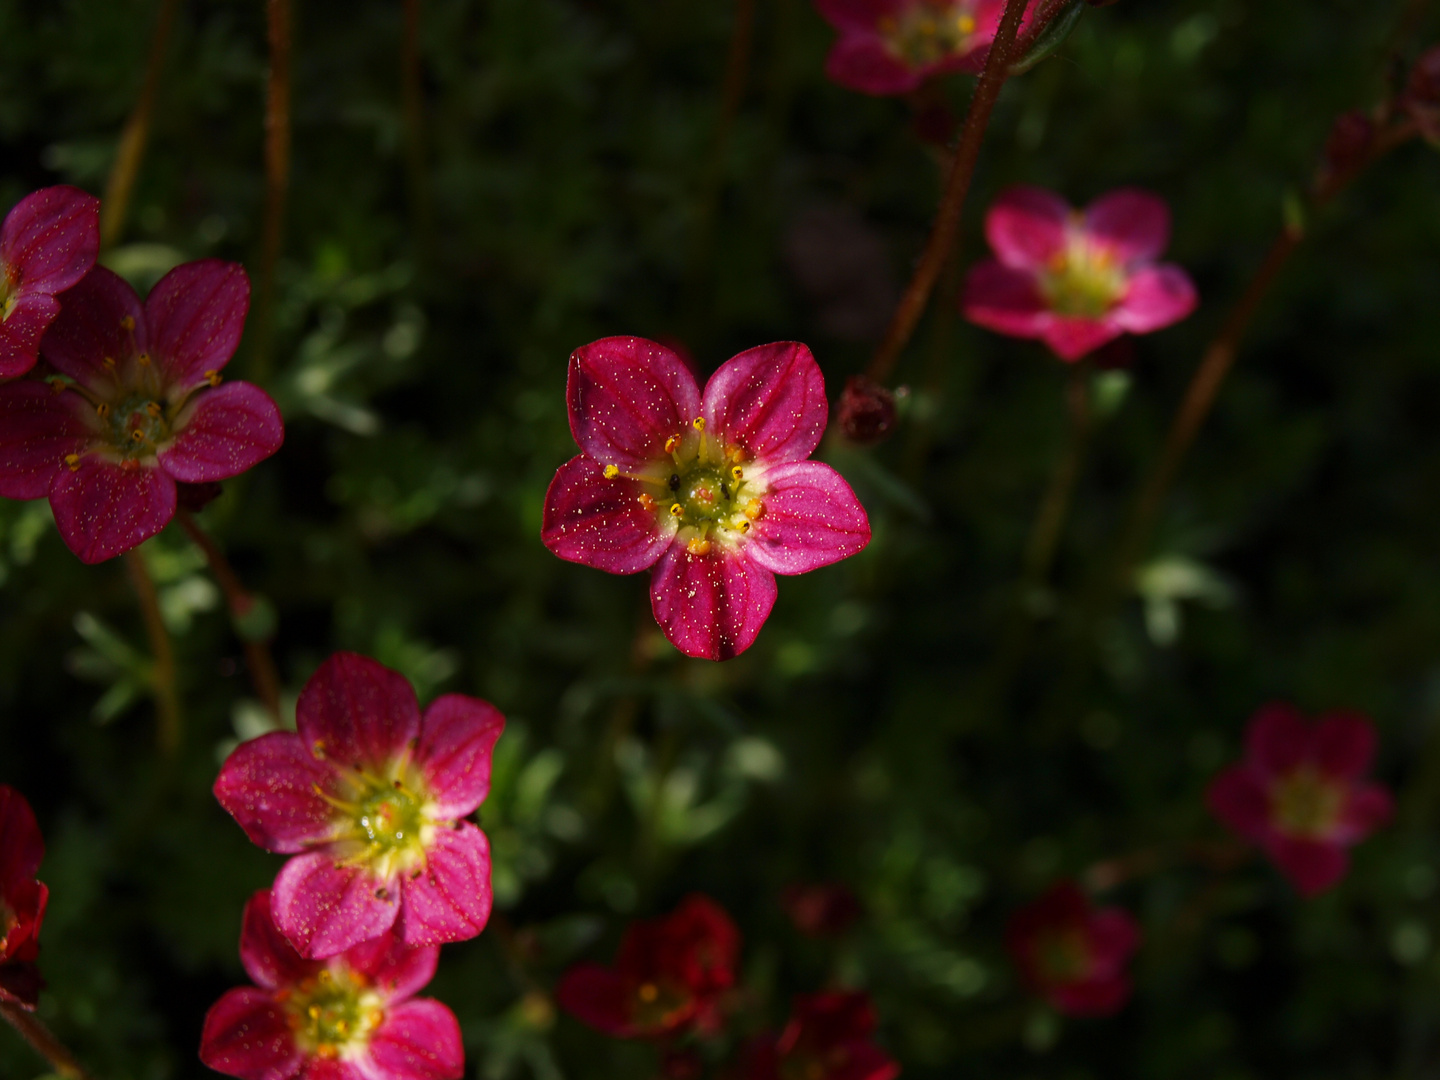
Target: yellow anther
698	423
212	377
57	384
73	460
102	410
109	362
143	359
966	24
324	975
647	501
735	455
127	323
745	525
754	508
137	435
153	409
737	473
676	510
649	992
611	471
314	1012
698	546
672	444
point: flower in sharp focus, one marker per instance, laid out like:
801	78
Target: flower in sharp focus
371	798
351	1017
713	491
892	46
1299	793
1076	279
136	405
1071	953
48	242
828	1038
668	976
22	900
822	909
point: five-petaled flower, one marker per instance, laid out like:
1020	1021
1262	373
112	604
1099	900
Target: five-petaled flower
370	796
1299	793
1076	279
351	1017
828	1038
135	405
713	491
669	976
892	46
1072	954
48	242
22	899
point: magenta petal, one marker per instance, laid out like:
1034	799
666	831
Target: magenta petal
196	314
865	1061
38	428
1239	799
1277	739
354	711
50	239
271	786
419	1040
90	328
1343	744
1071	338
770	401
450	900
1026	227
1131	223
1113	936
223	432
597	997
1368	807
858	15
21	331
1156	297
710	606
396	970
247	1034
21	844
324	907
103	510
598	522
1093	997
863	63
811	519
270	960
627	396
1311	865
1005	300
457	738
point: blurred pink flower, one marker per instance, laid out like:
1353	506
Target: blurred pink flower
351	1017
370	796
822	909
136	406
1299	792
1072	954
22	900
828	1038
713	492
48	242
1076	279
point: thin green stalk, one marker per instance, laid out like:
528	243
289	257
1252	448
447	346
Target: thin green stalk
61	1060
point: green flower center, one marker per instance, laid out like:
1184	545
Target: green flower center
391	819
929	32
1306	804
1083	281
333	1012
136	426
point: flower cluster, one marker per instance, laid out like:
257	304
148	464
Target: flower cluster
1071	954
828	1037
22	900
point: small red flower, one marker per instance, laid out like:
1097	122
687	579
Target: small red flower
822	909
668	976
136	406
713	493
828	1038
22	900
1076	279
371	797
48	242
1299	793
351	1017
892	46
1072	954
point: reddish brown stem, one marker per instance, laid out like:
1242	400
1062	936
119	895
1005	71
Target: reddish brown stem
162	652
279	20
44	1042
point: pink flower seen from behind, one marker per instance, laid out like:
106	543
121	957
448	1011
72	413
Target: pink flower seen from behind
712	493
352	1017
1300	792
371	798
1077	279
829	1037
1071	953
48	242
22	900
135	406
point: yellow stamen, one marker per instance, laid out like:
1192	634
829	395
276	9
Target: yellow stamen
137	435
649	992
212	377
127	323
737	473
698	546
611	471
57	384
676	510
73	460
102	410
698	423
647	501
153	409
966	24
754	508
745	525
672	444
143	359
109	362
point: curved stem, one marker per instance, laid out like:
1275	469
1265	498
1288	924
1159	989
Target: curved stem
44	1042
278	22
257	653
162	651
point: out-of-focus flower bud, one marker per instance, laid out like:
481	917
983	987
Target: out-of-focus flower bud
1421	99
1348	146
867	411
821	910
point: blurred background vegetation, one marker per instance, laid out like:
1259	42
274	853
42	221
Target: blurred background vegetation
569	181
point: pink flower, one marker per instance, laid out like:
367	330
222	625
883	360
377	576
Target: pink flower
22	900
1076	279
136	406
822	909
351	1017
714	492
47	243
827	1038
371	798
892	46
1072	954
1299	794
668	976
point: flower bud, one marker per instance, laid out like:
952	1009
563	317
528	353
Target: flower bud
1351	138
867	411
1421	99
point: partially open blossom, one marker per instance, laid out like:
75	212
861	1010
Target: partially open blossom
135	406
1071	953
48	242
668	976
371	797
828	1038
867	411
1076	279
892	46
822	909
713	492
22	899
1300	795
351	1017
